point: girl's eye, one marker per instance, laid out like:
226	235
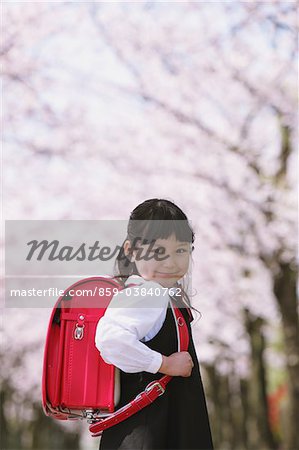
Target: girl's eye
182	250
157	251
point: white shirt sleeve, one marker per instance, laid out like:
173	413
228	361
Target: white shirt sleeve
127	320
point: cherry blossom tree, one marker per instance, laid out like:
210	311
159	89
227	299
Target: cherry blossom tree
193	101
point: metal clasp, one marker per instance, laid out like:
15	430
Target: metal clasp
180	321
78	333
151	386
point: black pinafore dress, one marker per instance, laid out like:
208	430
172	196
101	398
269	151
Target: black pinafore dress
176	420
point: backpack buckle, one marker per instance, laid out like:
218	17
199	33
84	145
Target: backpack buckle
152	385
78	333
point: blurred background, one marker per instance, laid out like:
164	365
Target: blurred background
108	104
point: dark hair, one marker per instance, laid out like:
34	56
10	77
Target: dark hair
153	219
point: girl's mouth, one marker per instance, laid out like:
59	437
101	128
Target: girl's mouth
167	275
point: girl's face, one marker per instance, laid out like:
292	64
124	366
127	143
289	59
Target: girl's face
166	261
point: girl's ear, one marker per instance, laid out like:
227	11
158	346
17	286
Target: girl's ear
126	247
127	250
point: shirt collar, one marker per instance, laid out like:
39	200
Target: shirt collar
135	279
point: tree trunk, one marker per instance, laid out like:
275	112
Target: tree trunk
285	291
260	433
228	425
215	415
3	420
245	412
226	412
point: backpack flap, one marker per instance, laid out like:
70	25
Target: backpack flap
76	380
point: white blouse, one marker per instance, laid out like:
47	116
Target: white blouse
133	315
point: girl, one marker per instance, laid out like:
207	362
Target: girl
138	334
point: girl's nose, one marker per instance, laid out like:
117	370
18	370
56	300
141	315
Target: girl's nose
169	263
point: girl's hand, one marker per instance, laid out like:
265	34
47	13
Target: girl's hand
177	364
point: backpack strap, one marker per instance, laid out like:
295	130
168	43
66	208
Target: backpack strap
152	391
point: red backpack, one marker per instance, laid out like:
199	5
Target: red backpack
77	383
